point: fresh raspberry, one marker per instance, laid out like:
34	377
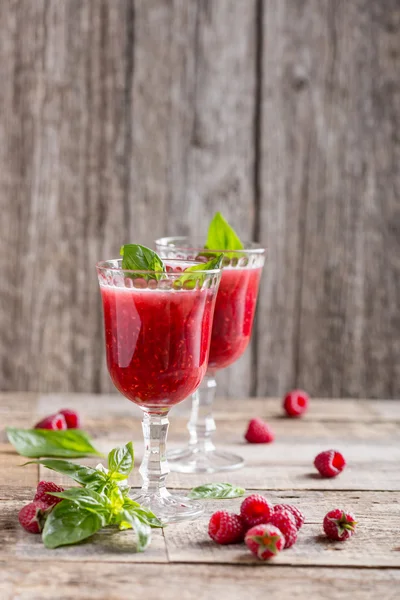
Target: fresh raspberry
265	541
329	463
298	515
339	525
285	522
296	403
71	417
56	421
255	509
226	528
259	432
42	494
32	516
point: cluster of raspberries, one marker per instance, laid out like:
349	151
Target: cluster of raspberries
268	529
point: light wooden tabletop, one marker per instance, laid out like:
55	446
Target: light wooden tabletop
182	561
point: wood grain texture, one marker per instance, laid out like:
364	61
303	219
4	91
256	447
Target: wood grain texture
25	580
129	119
330	197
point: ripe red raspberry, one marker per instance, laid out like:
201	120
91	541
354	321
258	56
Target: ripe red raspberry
329	463
339	525
285	522
71	417
32	516
265	541
298	515
42	494
259	432
296	403
56	421
226	528
255	509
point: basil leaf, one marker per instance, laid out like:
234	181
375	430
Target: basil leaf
116	500
137	257
120	461
88	500
68	524
221	236
79	473
216	490
35	443
189	277
146	516
128	520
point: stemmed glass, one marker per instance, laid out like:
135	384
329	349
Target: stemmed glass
232	327
157	336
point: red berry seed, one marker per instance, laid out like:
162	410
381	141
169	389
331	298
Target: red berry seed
259	432
329	463
255	509
296	403
226	528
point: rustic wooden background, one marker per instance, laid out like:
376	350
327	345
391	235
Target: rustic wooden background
123	120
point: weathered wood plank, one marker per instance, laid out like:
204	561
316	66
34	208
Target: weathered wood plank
25	580
11	471
378	516
220	163
62	181
105	546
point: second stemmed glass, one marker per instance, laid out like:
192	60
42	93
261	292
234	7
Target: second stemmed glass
157	335
232	327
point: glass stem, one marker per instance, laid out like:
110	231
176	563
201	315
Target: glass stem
154	468
202	425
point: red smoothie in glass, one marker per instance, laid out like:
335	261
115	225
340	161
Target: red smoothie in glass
156	346
234	314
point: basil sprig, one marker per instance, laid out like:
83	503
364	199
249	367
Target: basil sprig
190	276
136	257
221	236
102	501
65	443
216	491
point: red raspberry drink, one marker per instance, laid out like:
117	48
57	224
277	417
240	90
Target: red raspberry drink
157	342
157	335
231	332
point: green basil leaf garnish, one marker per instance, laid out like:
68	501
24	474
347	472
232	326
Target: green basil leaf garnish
69	524
79	473
136	257
190	277
216	491
120	461
66	443
221	236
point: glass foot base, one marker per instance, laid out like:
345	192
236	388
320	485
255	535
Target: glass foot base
194	460
169	508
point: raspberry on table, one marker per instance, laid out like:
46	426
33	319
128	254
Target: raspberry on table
298	515
296	403
32	516
329	463
259	432
226	528
265	540
255	509
56	421
339	525
42	494
285	522
71	418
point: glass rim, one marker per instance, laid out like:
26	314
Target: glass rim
255	248
104	265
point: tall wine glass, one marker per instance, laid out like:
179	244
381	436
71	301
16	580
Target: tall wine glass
231	332
157	336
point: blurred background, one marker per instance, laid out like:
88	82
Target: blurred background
125	120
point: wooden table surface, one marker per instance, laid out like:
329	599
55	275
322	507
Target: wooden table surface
182	561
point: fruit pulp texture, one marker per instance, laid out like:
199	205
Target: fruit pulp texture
157	342
234	315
